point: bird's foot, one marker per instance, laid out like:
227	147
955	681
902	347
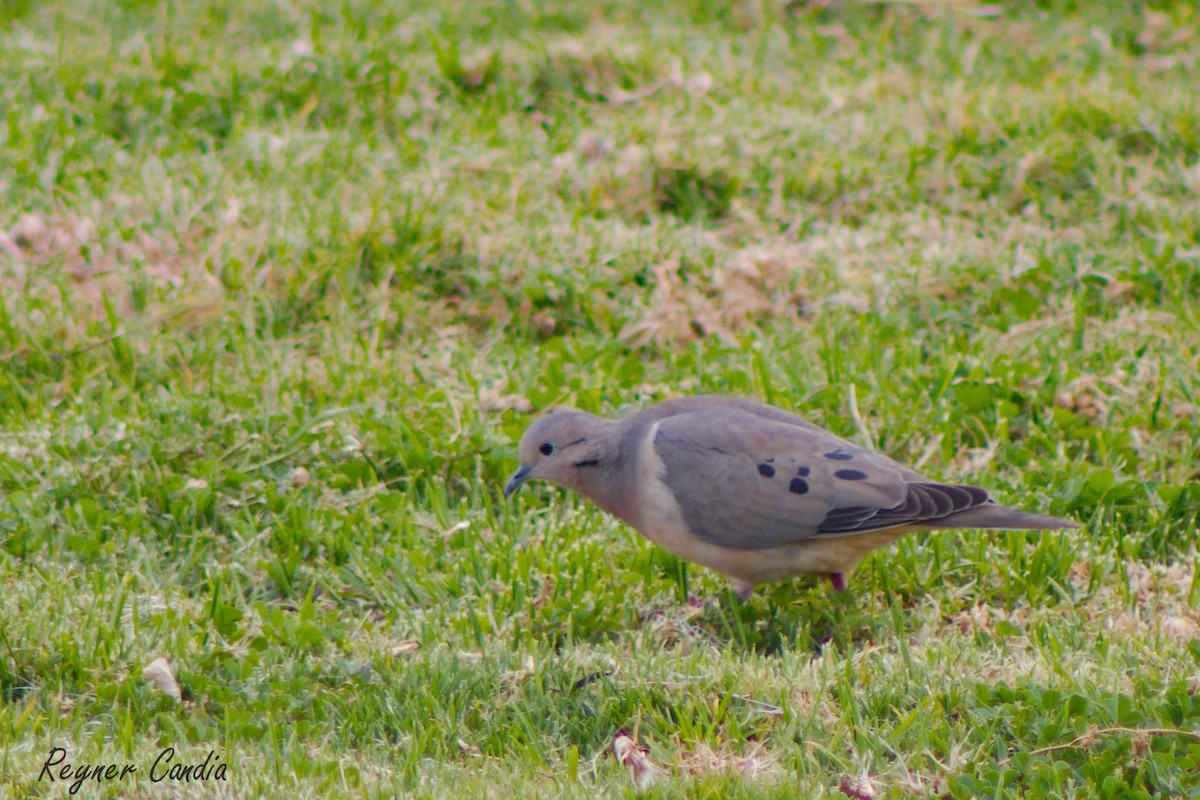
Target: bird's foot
839	581
744	590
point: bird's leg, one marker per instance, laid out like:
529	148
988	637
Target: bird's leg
839	581
744	590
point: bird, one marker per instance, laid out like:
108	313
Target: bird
753	492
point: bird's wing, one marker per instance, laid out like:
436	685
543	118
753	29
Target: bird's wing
731	404
744	481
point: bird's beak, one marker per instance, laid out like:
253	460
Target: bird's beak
519	477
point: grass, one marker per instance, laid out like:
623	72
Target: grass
281	283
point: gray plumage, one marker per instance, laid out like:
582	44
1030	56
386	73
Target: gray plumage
754	492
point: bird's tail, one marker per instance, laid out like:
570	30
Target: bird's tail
991	515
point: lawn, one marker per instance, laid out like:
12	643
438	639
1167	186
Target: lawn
283	281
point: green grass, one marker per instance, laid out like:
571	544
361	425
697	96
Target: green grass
280	280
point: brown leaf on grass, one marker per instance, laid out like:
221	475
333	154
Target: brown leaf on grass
858	788
299	477
642	770
977	618
406	648
158	674
515	677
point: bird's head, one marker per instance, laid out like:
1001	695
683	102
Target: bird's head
556	447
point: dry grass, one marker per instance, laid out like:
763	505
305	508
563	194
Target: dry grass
281	286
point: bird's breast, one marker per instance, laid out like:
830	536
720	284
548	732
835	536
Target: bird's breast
657	515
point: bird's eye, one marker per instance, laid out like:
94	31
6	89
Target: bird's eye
546	449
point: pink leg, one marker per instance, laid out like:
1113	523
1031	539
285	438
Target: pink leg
744	590
839	581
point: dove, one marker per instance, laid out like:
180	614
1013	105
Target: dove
756	493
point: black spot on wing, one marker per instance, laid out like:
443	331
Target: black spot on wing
803	472
850	475
838	455
766	470
798	486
